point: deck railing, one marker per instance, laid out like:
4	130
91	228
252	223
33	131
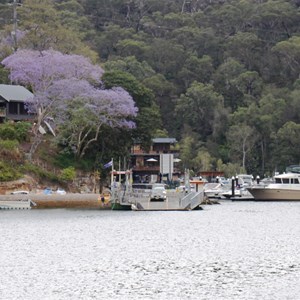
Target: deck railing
193	199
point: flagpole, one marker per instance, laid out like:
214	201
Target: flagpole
119	170
112	172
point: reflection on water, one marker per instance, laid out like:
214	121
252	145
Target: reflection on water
234	250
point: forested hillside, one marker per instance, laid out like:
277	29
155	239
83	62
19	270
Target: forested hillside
220	76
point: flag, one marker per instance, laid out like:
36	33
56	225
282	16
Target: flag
108	165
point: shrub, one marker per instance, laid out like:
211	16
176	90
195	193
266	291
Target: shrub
68	174
15	131
39	172
8	173
9	151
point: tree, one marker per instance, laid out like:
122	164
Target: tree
203	160
148	120
56	80
225	78
198	107
50	27
245	47
289	53
288	144
241	139
165	57
249	83
82	118
130	64
196	69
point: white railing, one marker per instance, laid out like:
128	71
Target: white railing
192	200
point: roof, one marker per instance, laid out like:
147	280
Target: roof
14	92
164	141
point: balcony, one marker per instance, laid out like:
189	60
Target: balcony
139	152
146	169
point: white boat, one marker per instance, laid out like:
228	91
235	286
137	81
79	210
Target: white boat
221	190
286	187
215	190
16	204
239	193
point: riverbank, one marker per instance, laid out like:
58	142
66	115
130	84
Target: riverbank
70	200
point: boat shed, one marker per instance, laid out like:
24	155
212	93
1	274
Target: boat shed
12	103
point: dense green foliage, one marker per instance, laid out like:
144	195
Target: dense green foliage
221	77
15	131
7	172
68	174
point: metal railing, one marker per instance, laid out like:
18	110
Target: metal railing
191	200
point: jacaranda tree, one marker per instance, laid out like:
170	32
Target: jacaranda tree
63	84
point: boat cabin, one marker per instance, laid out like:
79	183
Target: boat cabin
289	178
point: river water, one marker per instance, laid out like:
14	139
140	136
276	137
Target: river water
236	250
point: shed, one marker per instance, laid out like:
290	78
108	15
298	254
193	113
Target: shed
12	102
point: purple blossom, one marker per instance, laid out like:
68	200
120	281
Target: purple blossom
40	70
57	80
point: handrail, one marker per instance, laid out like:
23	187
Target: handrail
191	200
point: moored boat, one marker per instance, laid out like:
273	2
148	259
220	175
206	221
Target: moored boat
286	187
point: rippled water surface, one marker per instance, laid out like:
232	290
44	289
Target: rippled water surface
236	250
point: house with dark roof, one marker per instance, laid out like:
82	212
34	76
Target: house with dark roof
151	166
12	103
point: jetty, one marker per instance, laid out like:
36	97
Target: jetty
125	197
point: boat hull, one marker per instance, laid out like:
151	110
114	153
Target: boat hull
118	206
274	194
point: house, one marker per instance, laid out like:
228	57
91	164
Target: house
12	103
151	166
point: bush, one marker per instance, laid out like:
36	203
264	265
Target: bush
8	173
39	172
68	174
9	151
15	131
9	145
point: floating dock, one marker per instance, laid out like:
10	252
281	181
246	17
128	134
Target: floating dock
16	203
139	200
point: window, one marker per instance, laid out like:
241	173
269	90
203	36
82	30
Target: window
23	110
13	108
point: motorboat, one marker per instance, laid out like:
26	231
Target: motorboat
286	187
241	193
215	190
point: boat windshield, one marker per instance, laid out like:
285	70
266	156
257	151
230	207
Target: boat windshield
293	169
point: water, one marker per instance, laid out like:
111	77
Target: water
234	250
